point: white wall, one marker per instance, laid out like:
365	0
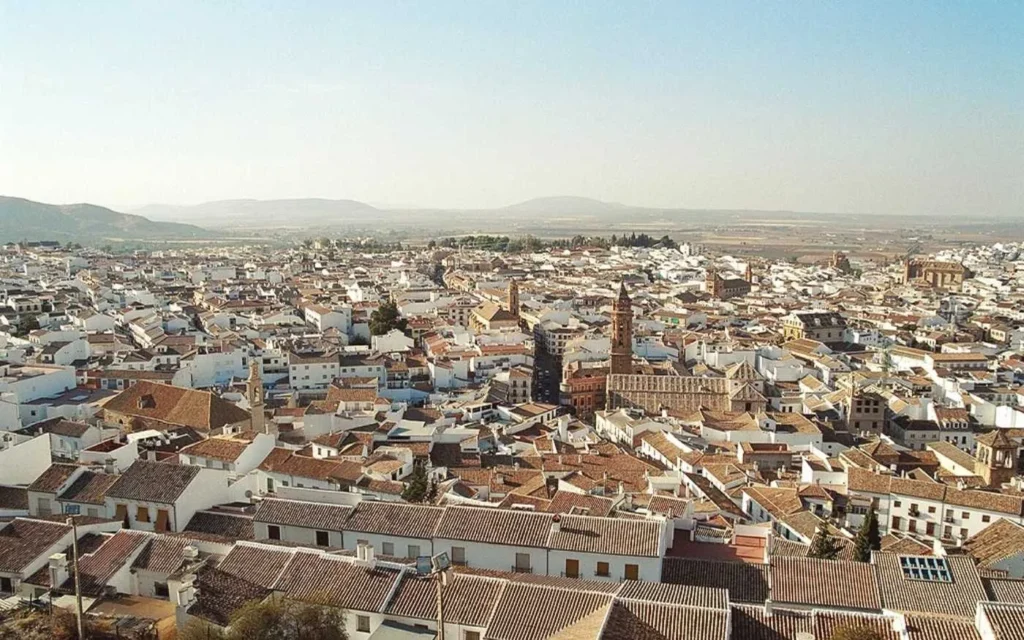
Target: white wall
23	463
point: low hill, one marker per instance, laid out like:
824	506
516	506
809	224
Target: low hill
22	219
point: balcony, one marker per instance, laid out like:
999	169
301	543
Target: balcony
518	569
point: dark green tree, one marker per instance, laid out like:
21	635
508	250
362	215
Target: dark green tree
417	488
824	546
868	538
857	632
275	619
26	325
386	318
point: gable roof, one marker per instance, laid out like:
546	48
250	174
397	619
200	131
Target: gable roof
153	482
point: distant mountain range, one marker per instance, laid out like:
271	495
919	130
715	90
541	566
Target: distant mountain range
22	219
550	213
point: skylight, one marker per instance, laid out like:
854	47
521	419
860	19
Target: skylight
925	568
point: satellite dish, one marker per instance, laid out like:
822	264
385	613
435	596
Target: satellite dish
248	495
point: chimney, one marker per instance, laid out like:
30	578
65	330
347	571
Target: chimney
58	570
556	523
190	553
768	608
186	595
365	557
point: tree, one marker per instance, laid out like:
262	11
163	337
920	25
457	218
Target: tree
26	325
824	546
417	488
858	632
275	619
386	318
868	538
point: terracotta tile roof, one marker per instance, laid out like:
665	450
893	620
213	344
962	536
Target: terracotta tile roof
337	581
310	515
1001	539
744	582
259	564
609	536
395	519
221	594
1006	620
153	482
23	540
987	500
495	526
14	498
533	612
163	554
468	600
97	568
921	627
89	488
216	449
171	405
824	583
1004	590
53	478
640	620
899	593
216	525
749	622
286	462
687	595
566	501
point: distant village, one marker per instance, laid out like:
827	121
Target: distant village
569	441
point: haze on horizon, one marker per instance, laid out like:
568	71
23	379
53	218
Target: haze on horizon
910	108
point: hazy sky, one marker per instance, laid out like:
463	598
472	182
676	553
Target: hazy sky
904	107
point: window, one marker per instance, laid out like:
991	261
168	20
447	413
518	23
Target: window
6	585
160	590
632	572
572	568
522	563
897	504
471	635
142	514
986	518
44	507
603	569
896	523
459	555
387	548
414	551
931	509
273	532
965	515
322	539
363	624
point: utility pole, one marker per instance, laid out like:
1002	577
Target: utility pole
78	585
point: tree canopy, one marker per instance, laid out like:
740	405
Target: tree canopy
417	488
868	538
824	546
857	633
275	619
386	318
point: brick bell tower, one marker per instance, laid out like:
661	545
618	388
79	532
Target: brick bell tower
622	333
